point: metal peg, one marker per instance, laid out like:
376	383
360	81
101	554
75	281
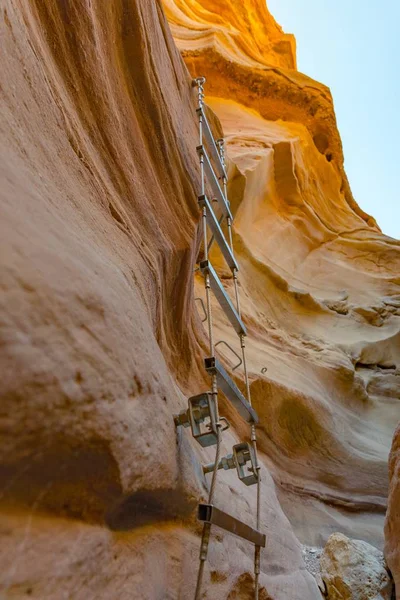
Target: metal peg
226	463
242	454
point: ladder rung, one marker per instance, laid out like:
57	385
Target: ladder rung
209	514
231	390
216	188
211	142
218	234
223	298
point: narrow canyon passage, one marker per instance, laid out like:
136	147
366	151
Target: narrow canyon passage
101	333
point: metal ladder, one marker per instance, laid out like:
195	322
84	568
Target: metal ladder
202	414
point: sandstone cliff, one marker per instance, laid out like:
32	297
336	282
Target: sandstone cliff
321	281
101	340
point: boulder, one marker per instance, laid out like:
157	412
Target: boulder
354	570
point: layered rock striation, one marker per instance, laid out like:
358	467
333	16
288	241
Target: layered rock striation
320	281
100	338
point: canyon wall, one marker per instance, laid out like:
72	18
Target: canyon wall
101	342
320	281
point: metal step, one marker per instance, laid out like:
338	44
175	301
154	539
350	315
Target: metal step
223	298
209	514
215	227
211	143
230	389
212	178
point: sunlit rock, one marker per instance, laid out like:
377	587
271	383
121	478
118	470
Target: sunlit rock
354	570
101	341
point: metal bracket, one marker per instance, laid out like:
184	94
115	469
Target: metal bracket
201	416
242	454
233	352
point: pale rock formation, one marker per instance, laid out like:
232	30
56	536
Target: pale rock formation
246	56
392	524
320	282
354	570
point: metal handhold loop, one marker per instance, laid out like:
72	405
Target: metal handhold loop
203	307
233	352
202	417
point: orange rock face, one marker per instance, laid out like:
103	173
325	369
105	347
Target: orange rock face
101	342
244	32
246	57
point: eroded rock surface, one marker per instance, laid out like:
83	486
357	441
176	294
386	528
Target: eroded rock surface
354	570
100	338
100	341
320	282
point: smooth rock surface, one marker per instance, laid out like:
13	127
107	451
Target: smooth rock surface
319	281
354	570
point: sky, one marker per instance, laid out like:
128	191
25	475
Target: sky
353	46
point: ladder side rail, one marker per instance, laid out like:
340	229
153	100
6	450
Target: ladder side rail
211	143
218	194
218	235
223	299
